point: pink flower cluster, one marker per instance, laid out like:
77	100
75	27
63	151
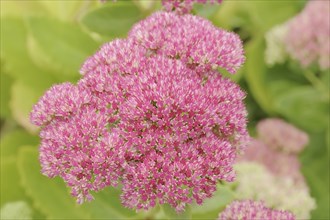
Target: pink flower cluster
253	210
183	6
282	136
308	40
165	130
191	39
281	142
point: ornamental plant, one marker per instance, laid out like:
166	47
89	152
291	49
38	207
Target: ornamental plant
255	181
278	141
304	38
154	127
150	114
249	209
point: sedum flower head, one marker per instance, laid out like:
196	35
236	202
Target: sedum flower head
254	181
163	130
183	6
308	40
287	165
190	39
275	49
280	135
253	210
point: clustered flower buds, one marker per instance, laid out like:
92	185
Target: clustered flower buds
183	6
253	210
255	181
304	38
308	40
281	142
282	136
150	113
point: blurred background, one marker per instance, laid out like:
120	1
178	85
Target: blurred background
45	43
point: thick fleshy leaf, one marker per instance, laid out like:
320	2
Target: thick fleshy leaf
21	105
305	107
170	213
266	14
206	10
58	46
113	20
52	197
49	195
11	142
211	207
21	8
63	9
315	163
107	204
255	74
15	57
11	190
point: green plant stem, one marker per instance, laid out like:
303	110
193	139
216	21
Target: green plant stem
317	83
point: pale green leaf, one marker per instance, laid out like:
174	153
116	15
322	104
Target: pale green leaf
60	47
315	166
305	107
255	74
221	198
11	142
23	98
49	195
170	212
63	9
11	189
15	57
112	20
19	8
107	203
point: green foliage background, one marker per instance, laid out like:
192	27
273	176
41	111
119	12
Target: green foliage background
45	42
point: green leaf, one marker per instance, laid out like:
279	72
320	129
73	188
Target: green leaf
15	57
206	10
58	46
170	213
211	207
315	167
19	8
5	84
11	142
52	197
107	204
221	198
305	107
23	98
48	195
232	14
112	20
266	14
255	74
63	9
11	190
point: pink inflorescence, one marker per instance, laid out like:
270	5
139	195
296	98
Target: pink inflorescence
308	40
183	6
191	39
253	210
278	141
280	135
279	163
148	121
